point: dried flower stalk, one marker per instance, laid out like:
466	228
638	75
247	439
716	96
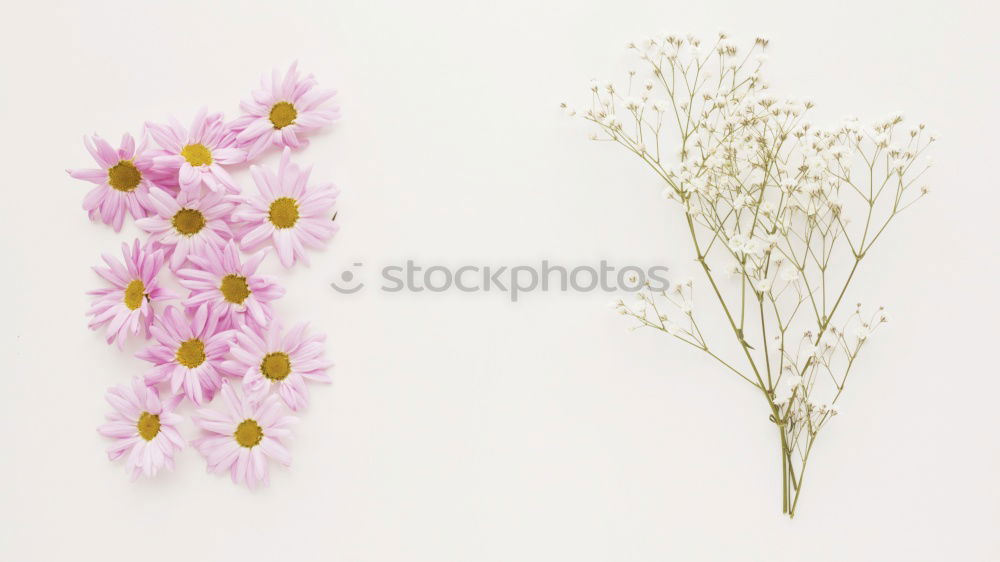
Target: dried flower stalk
766	197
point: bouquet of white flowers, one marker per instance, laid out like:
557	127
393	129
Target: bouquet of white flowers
766	197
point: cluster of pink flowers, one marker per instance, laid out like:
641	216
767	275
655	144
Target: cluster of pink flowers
223	337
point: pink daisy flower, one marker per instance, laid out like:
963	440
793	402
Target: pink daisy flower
287	213
186	224
282	110
243	435
234	288
122	181
144	427
198	154
188	352
267	360
127	306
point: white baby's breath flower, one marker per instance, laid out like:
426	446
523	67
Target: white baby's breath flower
762	285
738	242
789	274
863	332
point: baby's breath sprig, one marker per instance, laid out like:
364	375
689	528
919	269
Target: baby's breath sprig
789	209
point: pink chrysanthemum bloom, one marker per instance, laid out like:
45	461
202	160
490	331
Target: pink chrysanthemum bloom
188	352
198	154
243	434
122	180
287	212
144	427
234	288
186	224
267	360
127	306
282	110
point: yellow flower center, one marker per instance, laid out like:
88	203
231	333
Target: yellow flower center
276	366
148	425
134	293
234	288
284	212
188	221
197	154
124	176
248	433
191	353
282	114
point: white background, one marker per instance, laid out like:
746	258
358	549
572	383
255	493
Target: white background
466	428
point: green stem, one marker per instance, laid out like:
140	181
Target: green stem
802	473
784	472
